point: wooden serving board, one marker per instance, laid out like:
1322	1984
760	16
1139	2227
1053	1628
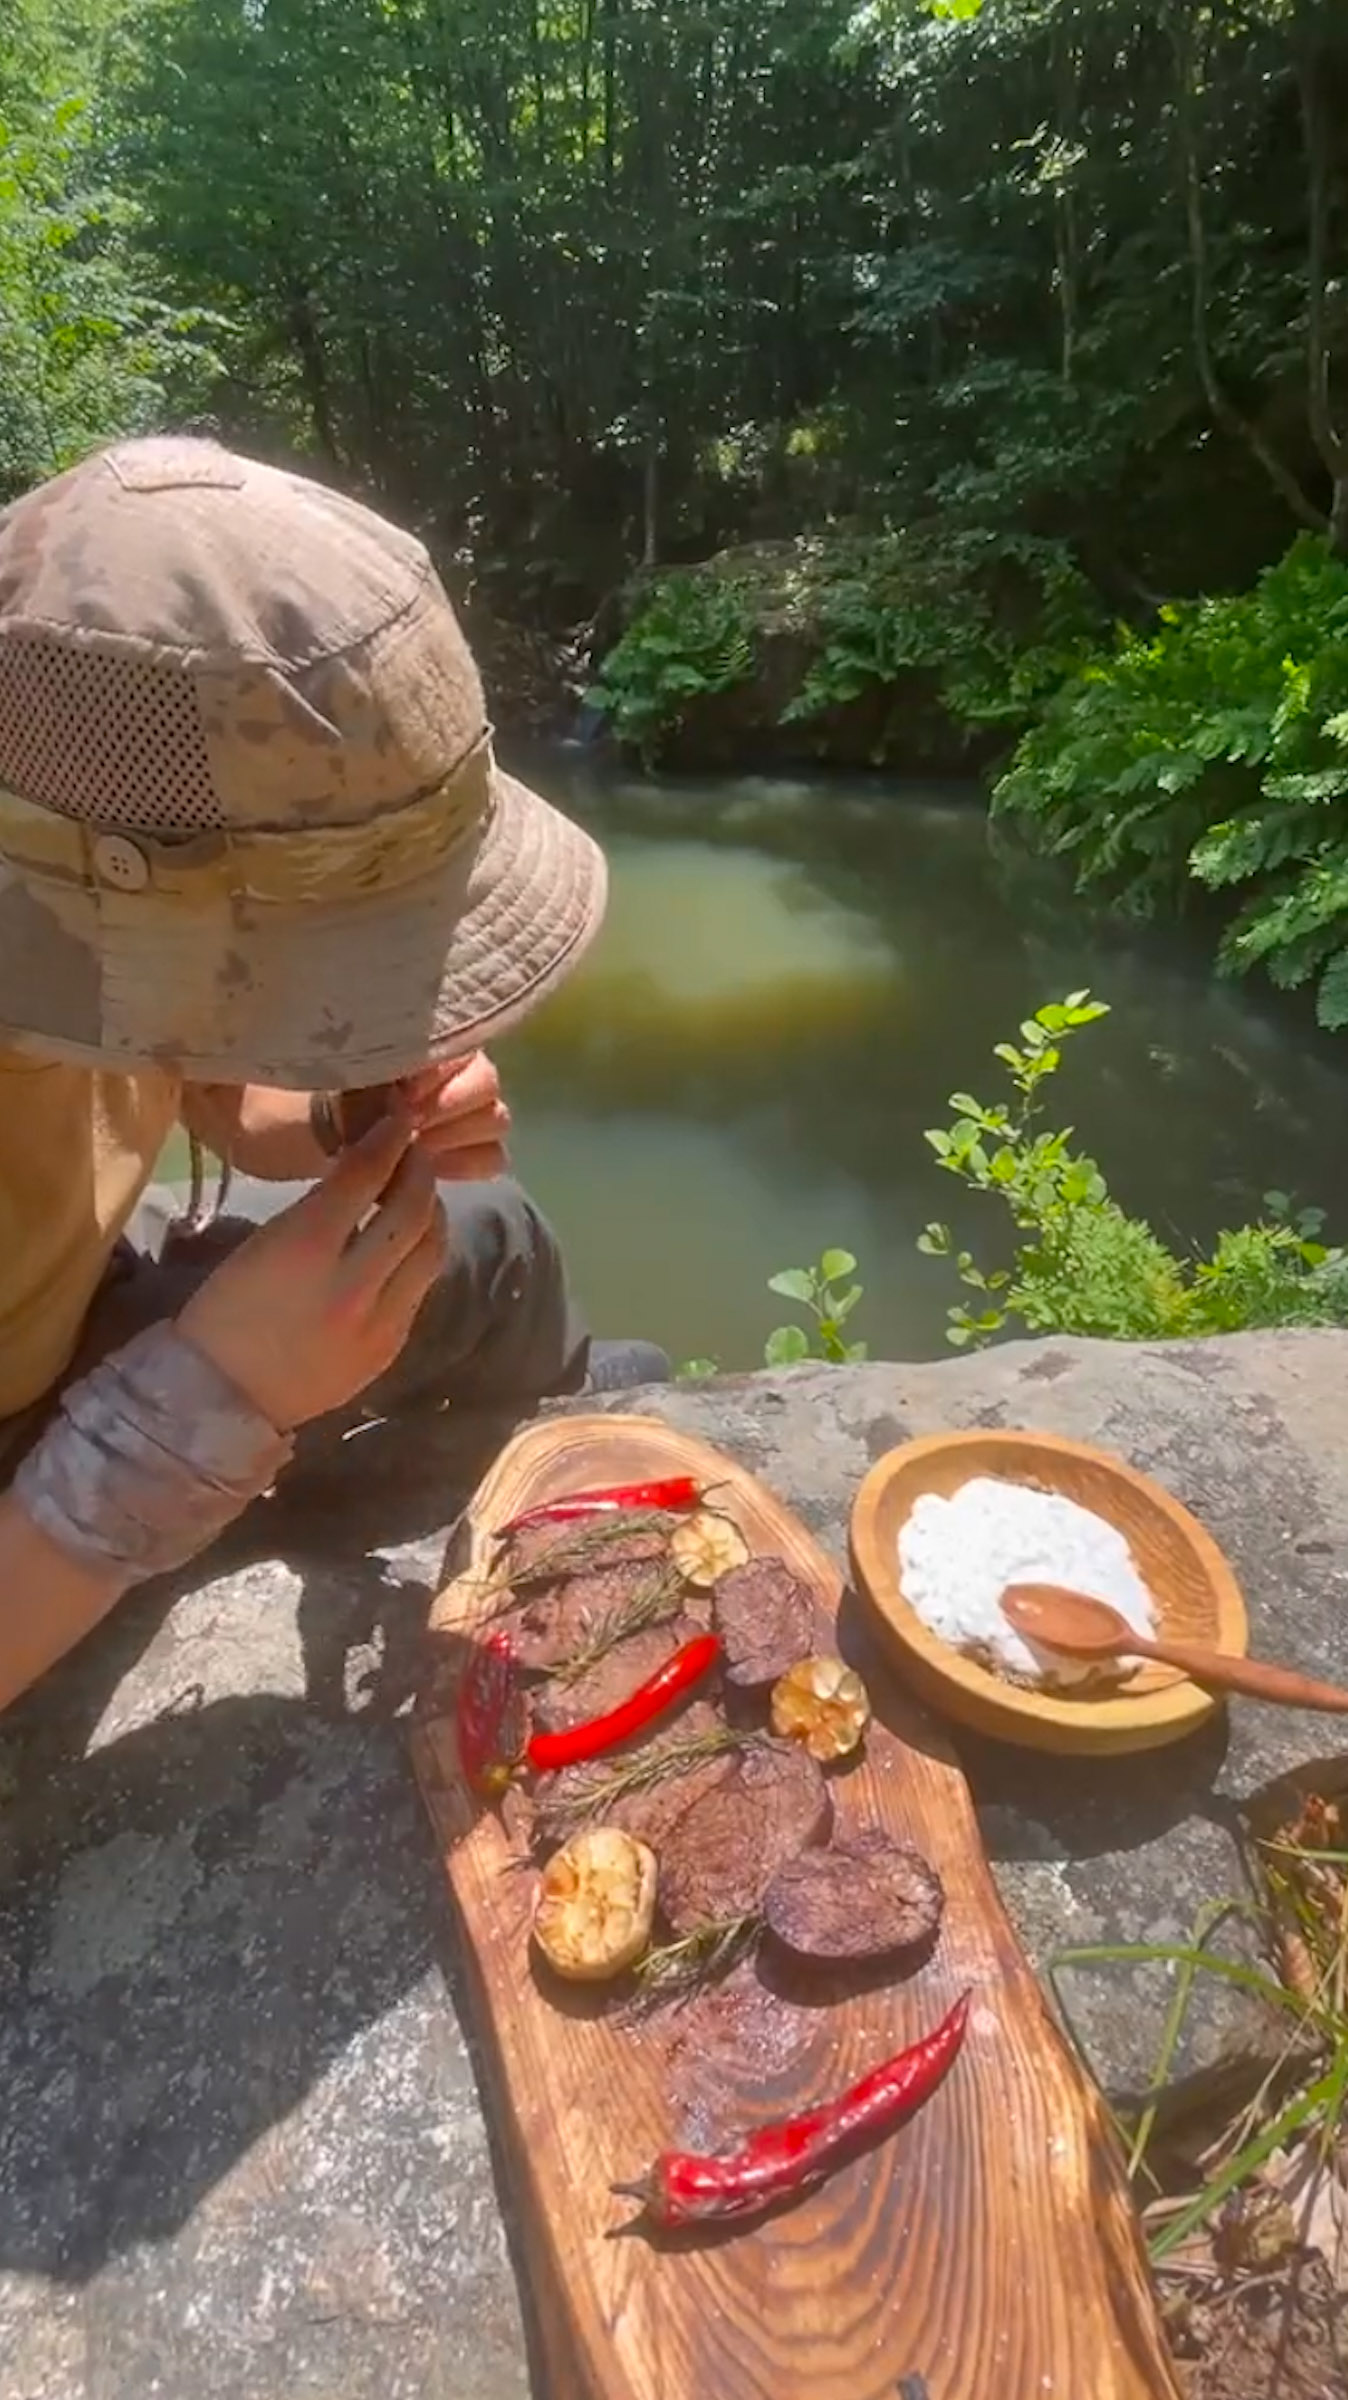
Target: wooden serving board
988	2251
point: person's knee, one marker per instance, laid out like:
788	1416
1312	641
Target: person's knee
499	1325
500	1240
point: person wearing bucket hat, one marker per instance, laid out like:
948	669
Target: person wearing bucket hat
260	877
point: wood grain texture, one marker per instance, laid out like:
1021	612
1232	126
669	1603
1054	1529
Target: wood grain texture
990	2247
1197	1596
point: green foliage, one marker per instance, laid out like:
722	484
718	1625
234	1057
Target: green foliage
1214	751
697	1370
828	1295
994	619
526	268
89	348
692	636
1081	1264
575	286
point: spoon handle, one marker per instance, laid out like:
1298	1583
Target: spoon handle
1250	1675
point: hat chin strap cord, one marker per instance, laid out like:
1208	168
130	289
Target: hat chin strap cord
201	1212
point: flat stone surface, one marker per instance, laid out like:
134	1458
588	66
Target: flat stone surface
241	2155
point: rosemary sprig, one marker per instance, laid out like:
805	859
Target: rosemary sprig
502	1586
656	1597
680	1969
592	1794
584	1545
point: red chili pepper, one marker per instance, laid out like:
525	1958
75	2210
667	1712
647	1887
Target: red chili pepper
485	1703
675	1492
550	1751
684	2188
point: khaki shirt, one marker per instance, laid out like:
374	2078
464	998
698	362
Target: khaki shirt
77	1149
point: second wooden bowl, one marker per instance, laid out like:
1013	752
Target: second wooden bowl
1196	1594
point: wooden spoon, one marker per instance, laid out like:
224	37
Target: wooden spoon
1082	1628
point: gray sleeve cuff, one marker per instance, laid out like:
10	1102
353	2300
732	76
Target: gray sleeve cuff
152	1455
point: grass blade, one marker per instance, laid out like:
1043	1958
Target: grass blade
1205	1925
1239	2169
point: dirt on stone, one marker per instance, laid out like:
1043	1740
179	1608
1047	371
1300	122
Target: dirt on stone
1264	2337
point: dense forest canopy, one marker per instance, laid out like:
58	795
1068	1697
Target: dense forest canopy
1007	323
574	281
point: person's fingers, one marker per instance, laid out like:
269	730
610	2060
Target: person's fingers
439	1140
404	1215
429	1080
410	1282
355	1180
455	1092
480	1164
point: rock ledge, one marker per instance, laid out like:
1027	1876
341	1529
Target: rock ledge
241	2153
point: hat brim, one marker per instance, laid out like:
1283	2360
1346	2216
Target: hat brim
321	998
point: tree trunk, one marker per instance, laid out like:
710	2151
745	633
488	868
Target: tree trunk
586	74
610	93
310	352
1066	230
650	498
539	85
1065	249
1224	411
1328	434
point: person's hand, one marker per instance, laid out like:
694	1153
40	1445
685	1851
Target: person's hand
459	1118
317	1303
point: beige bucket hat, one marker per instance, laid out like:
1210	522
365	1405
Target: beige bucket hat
250	822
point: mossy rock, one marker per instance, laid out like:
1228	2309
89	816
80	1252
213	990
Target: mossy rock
795	595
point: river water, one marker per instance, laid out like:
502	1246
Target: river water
793	977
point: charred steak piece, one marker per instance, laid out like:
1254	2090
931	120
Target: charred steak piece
765	1617
527	1553
614	1678
866	1897
647	1814
554	1622
720	1853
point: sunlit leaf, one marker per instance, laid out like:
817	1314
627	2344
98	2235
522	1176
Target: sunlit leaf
793	1283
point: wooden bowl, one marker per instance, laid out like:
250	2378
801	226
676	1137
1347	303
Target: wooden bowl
1196	1594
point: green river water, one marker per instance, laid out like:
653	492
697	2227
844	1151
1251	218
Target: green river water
793	976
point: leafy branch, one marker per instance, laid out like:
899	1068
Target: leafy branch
1080	1263
829	1296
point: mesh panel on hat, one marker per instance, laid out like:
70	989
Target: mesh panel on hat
109	740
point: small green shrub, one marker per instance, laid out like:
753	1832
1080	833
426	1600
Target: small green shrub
1081	1264
693	636
1214	752
829	1296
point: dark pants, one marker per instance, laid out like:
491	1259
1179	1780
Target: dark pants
497	1333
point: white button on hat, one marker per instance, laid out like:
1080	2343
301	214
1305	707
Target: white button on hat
121	863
